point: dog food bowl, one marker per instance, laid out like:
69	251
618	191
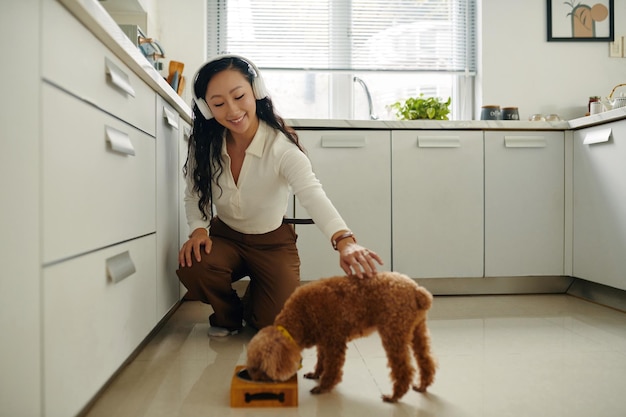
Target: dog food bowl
244	392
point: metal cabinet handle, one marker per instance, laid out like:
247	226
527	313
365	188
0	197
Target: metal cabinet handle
118	77
343	141
525	142
120	266
425	141
597	136
170	117
119	141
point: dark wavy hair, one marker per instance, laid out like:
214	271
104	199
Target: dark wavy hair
204	155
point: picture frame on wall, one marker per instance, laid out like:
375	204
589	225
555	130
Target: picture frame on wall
581	21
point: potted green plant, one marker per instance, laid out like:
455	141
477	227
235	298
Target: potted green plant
413	108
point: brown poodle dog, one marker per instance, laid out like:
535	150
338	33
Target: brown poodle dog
330	312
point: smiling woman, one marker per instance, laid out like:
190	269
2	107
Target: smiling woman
243	163
311	51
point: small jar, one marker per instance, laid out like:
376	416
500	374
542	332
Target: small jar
592	99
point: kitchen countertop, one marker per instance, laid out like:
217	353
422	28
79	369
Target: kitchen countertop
427	124
574	124
598	119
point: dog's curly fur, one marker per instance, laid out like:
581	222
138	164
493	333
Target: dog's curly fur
332	311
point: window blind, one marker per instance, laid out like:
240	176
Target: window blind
351	35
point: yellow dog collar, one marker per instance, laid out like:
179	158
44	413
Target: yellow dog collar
289	337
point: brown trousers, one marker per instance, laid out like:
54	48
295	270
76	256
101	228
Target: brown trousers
270	260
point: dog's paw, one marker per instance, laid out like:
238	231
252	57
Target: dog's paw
311	375
318	390
419	388
389	399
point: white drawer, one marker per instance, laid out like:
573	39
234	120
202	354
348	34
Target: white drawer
91	323
93	195
73	58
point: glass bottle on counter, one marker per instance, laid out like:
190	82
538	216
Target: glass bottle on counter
592	99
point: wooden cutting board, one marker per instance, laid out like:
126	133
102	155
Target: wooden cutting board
247	393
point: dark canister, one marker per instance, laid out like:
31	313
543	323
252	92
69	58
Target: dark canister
491	112
510	113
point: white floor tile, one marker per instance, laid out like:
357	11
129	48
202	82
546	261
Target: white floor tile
545	355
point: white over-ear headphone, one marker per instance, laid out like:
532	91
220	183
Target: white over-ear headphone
258	86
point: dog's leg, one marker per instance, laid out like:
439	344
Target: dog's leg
319	366
331	358
396	341
425	361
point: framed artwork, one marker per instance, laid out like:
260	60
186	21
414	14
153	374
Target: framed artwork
580	21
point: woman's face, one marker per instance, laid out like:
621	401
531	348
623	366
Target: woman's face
231	100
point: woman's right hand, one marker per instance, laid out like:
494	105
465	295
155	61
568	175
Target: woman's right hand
192	247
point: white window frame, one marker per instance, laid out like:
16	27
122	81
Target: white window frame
341	86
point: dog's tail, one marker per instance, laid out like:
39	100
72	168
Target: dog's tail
424	298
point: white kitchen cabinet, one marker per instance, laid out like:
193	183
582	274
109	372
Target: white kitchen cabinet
524	203
167	204
354	168
437	204
97	309
98	182
600	204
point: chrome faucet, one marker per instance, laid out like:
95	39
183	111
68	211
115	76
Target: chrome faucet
369	97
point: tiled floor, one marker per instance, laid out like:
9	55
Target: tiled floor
527	355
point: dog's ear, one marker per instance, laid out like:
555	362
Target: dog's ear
424	298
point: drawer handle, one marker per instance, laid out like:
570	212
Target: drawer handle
524	142
170	117
343	141
118	77
598	136
120	141
438	141
120	266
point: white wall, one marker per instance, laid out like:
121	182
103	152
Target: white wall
518	66
181	29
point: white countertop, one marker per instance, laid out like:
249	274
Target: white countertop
428	124
575	124
598	119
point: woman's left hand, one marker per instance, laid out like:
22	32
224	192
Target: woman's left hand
354	259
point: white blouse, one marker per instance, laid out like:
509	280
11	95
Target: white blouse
273	165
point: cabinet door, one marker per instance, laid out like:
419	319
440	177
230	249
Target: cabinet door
98	178
354	169
524	203
600	204
167	202
437	203
97	309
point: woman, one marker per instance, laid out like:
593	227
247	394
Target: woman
241	165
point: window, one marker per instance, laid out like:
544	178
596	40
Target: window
311	51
